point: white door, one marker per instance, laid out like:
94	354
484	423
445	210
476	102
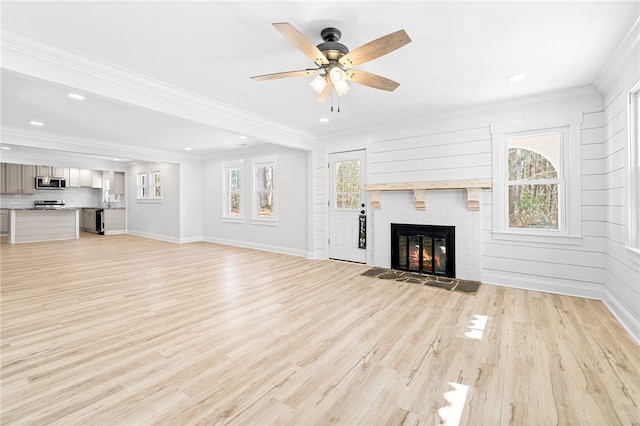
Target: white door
347	206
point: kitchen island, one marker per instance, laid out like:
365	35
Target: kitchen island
32	225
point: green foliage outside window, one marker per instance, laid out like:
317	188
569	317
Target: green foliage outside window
347	185
533	190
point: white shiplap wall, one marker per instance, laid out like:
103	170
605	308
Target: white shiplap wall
463	153
622	270
460	147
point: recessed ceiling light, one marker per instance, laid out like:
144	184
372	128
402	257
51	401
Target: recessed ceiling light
516	77
75	96
36	123
242	137
324	120
188	149
116	159
6	148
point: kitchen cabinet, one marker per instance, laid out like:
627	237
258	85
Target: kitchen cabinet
17	179
74	178
117	183
114	220
28	179
86	178
4	221
89	219
61	172
90	178
96	178
12	178
44	171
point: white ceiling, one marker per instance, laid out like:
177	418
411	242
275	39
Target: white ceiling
460	56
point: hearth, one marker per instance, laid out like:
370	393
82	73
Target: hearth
426	249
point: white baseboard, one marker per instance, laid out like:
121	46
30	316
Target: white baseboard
154	236
631	324
577	289
257	246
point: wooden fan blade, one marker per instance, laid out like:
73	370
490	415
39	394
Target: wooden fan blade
285	74
301	42
372	80
376	48
326	92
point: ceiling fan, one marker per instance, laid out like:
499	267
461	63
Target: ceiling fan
334	60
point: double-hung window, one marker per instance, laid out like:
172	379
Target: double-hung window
264	189
143	186
232	181
536	179
149	185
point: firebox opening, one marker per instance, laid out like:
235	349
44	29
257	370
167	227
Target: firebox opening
425	249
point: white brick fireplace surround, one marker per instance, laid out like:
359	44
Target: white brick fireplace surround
442	207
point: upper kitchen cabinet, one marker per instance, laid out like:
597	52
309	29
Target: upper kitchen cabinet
96	178
117	183
90	178
17	179
86	178
74	178
28	179
44	171
61	172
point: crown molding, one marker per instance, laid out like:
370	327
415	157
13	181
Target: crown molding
626	53
85	146
477	116
45	60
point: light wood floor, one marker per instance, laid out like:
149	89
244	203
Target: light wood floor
122	330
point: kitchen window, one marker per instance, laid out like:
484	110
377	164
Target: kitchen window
264	190
232	189
537	182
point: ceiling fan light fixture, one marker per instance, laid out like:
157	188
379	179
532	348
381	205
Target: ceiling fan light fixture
318	84
342	88
337	74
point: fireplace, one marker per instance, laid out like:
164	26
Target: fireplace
425	249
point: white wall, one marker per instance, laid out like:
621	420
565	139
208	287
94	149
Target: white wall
290	234
621	265
191	196
458	146
158	219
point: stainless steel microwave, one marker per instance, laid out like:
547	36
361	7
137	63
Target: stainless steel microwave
43	182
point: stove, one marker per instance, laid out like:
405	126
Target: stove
48	204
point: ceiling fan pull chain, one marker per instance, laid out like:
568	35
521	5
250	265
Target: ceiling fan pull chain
338	104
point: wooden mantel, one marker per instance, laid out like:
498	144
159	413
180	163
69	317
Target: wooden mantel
472	186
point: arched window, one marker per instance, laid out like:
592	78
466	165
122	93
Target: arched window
534	181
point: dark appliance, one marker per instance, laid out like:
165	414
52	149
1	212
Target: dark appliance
100	221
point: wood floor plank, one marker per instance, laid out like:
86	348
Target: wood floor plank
117	330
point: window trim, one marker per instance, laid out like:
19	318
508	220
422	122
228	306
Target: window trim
255	163
560	181
633	170
150	188
571	191
226	168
